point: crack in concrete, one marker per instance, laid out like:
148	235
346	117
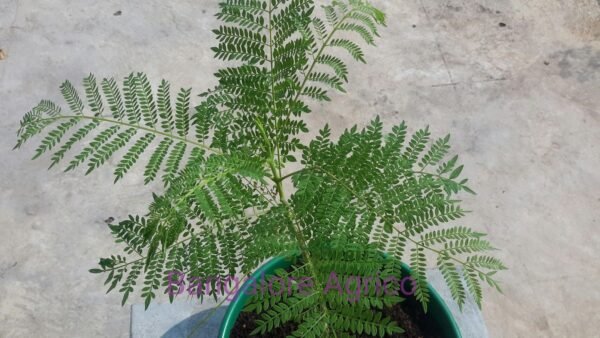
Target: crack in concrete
470	82
438	45
7	269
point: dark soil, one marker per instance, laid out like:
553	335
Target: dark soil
245	324
409	315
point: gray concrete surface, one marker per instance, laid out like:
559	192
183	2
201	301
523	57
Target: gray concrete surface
184	318
520	100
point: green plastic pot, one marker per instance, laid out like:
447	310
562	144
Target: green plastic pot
437	309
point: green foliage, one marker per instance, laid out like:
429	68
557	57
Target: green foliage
326	304
224	160
136	112
401	193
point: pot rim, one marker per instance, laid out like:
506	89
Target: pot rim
440	310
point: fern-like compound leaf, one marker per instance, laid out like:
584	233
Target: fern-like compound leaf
156	160
365	33
486	262
416	145
453	279
113	97
133	109
54	137
444	235
132	105
182	107
96	143
327	79
93	95
436	153
72	98
132	155
107	150
49	108
173	162
145	100
473	285
351	47
76	137
418	264
336	64
152	279
164	106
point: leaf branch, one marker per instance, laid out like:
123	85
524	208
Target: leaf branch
130	125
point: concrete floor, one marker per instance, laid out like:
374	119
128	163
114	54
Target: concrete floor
521	101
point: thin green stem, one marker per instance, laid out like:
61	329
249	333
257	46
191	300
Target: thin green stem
299	236
319	53
317	322
273	86
143	257
283	178
130	125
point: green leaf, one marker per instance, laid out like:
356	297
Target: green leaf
456	172
93	95
182	107
72	98
114	98
156	160
351	47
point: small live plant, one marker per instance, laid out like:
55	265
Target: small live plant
224	161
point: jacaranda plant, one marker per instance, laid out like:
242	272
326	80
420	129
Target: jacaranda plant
226	158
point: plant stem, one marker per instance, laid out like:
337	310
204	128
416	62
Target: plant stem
143	257
282	178
318	55
273	85
299	238
121	123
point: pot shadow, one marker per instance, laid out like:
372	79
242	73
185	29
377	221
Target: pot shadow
192	327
